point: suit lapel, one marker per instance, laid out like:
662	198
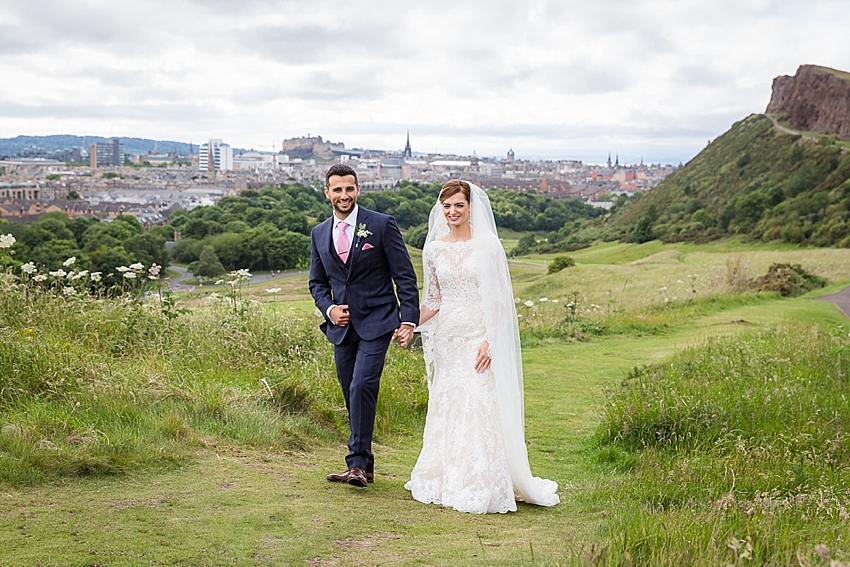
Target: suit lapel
326	244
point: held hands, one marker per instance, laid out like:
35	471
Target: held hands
482	357
339	315
403	335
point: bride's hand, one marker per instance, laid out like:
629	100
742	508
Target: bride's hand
482	358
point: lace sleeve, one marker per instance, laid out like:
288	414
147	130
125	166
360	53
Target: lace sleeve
433	297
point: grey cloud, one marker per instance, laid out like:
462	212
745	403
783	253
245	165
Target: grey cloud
327	86
313	43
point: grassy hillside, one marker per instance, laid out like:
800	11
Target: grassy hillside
755	181
139	431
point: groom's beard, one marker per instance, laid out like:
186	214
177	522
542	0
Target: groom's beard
342	212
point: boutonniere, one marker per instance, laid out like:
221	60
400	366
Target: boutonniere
361	233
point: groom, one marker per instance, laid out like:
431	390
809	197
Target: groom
355	258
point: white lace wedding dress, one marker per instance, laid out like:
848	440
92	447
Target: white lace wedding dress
463	463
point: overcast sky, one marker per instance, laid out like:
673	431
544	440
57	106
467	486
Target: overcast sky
551	79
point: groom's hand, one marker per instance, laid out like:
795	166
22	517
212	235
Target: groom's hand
403	335
339	315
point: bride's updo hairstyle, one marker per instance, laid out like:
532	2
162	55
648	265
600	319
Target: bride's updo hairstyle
453	187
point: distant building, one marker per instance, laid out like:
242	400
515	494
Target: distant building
222	156
254	161
109	154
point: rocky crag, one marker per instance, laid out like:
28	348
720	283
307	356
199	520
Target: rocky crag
816	98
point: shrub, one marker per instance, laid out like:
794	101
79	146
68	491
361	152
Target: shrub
789	280
561	262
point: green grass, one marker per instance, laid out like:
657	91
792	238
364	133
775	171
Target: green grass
177	454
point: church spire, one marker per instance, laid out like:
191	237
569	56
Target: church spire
407	151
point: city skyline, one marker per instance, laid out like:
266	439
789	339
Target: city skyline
566	80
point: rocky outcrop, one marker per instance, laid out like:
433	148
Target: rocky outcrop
816	98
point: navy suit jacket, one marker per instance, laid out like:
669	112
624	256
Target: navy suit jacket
365	281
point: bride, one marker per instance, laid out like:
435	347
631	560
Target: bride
473	457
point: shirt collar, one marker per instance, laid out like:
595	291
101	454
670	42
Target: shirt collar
351	219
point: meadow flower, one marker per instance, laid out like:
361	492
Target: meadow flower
122	269
95	276
29	268
554	301
39	277
273	290
80	274
154	271
58	273
528	303
243	273
219	282
544	299
6	240
130	275
137	266
70	261
69	291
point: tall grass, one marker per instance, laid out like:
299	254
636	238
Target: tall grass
104	386
739	451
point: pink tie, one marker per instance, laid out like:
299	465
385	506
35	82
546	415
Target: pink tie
342	242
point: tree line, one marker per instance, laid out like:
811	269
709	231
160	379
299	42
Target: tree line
265	229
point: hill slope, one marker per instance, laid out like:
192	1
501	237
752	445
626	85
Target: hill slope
754	180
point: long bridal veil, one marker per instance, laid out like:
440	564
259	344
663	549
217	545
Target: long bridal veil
502	330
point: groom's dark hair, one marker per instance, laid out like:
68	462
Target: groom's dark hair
341	170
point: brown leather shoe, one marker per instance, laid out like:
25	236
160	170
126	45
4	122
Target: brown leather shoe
357	477
344	477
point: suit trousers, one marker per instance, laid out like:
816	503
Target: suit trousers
359	364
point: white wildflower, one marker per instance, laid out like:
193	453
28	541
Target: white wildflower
152	277
273	290
29	268
666	299
528	303
70	261
664	289
58	273
154	271
678	281
130	275
69	291
243	273
6	240
219	282
39	278
517	299
95	276
138	266
215	296
544	299
122	269
554	301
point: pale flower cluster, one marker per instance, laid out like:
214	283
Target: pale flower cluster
6	240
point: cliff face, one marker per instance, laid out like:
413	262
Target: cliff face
816	98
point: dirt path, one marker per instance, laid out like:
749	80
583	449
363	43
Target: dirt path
841	299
